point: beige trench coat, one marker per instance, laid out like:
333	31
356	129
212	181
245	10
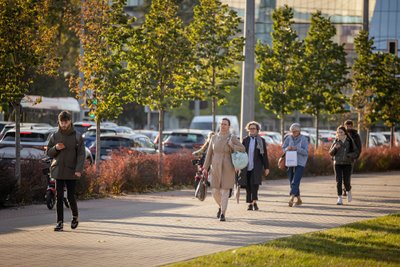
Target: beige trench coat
219	159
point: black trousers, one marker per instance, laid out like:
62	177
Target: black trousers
251	189
343	176
70	184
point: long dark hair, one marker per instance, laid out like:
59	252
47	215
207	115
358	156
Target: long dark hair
344	130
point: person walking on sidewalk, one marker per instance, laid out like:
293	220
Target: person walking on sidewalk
343	151
219	161
296	142
67	151
357	140
258	165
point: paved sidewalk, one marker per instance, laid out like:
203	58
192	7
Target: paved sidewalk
160	228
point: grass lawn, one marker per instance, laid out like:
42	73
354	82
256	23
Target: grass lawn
367	243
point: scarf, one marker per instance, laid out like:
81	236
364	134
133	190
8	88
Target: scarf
260	144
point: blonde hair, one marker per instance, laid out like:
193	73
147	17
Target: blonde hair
258	126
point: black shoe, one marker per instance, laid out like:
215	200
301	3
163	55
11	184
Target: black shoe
255	207
219	213
222	218
74	223
59	227
250	207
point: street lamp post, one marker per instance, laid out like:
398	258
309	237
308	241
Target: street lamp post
247	102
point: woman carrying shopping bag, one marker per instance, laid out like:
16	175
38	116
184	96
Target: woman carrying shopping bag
295	147
219	161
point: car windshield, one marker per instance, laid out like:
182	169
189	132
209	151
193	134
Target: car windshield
92	132
185	138
112	142
82	128
201	125
26	137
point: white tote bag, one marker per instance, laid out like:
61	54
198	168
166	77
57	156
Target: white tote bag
291	159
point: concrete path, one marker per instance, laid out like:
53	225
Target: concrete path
160	228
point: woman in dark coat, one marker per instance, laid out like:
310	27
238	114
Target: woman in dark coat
343	151
258	165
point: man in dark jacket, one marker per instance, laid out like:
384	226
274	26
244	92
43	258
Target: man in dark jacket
67	150
258	165
357	140
353	133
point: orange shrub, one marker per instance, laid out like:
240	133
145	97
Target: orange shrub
179	169
378	159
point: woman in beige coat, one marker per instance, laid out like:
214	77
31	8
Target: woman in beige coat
219	161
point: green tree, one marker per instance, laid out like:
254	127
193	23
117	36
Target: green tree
103	30
212	35
364	79
159	63
325	70
27	47
280	67
387	96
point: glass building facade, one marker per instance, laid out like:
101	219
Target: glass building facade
347	16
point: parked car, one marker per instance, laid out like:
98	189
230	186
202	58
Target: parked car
2	124
166	134
276	137
112	142
184	139
83	126
149	133
29	125
205	123
90	136
268	140
380	138
33	144
396	137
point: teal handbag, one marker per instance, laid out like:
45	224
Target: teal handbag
240	160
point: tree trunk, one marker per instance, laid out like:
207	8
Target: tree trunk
213	110
98	147
392	137
282	126
367	137
316	130
17	110
160	145
213	104
364	135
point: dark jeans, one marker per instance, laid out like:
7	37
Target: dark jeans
251	189
295	174
70	184
343	176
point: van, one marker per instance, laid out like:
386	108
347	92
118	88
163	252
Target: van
205	123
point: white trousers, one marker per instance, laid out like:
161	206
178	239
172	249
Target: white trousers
221	196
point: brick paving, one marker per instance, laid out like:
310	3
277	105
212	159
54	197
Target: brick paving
160	228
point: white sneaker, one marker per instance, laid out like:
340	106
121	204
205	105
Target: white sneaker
349	196
339	201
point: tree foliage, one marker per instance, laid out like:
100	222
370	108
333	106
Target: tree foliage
28	46
365	80
387	96
213	35
325	70
280	72
159	61
103	30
